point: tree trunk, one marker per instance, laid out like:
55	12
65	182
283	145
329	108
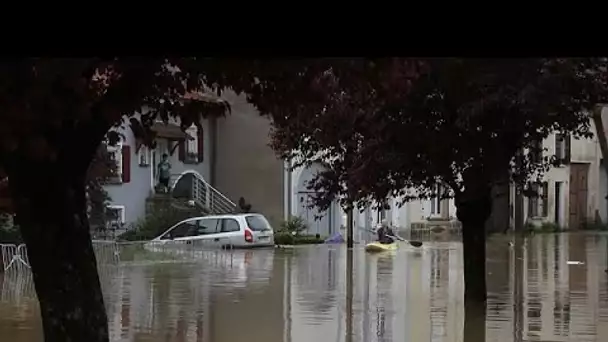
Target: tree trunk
601	137
349	228
51	210
474	322
474	207
349	294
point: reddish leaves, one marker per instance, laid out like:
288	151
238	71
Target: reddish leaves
390	124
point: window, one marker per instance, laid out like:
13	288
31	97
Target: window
182	230
533	200
257	223
436	200
143	156
192	145
115	154
538	202
230	225
562	147
536	152
545	199
208	226
115	216
383	212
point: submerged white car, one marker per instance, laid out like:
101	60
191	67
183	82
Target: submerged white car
235	230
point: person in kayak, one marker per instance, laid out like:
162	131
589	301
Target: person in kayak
385	234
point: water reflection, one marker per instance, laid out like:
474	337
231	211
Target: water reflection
301	295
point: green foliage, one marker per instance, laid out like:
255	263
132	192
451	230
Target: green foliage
156	223
294	225
9	233
100	170
385	127
285	238
545	227
550	227
137	252
290	233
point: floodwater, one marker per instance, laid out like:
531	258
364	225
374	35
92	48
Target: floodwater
299	295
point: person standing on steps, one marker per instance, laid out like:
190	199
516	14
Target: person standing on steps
164	172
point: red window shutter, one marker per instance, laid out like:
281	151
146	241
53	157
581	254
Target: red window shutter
126	163
181	153
201	144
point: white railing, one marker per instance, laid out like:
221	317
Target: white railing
16	282
210	197
14	257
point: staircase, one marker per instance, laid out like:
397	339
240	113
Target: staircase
206	196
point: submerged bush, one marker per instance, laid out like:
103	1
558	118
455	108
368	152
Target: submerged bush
285	238
294	225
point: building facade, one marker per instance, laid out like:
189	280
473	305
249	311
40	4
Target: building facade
569	195
230	158
136	182
244	165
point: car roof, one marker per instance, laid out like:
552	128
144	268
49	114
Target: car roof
222	216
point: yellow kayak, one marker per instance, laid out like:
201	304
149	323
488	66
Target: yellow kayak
380	247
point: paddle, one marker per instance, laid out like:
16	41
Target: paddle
412	243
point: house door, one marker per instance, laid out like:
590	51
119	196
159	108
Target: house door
578	195
558	203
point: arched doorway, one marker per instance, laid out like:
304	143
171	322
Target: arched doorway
319	222
189	185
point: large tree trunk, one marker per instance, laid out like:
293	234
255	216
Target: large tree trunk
51	211
350	228
474	322
474	206
601	137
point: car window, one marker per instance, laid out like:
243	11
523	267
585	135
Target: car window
180	230
257	223
230	225
207	226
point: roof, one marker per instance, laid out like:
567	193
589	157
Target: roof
170	131
221	216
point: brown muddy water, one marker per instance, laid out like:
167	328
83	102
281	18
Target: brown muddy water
299	295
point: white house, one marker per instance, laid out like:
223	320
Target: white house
415	214
245	166
230	158
569	194
136	183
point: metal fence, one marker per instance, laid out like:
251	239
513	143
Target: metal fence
15	259
16	281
